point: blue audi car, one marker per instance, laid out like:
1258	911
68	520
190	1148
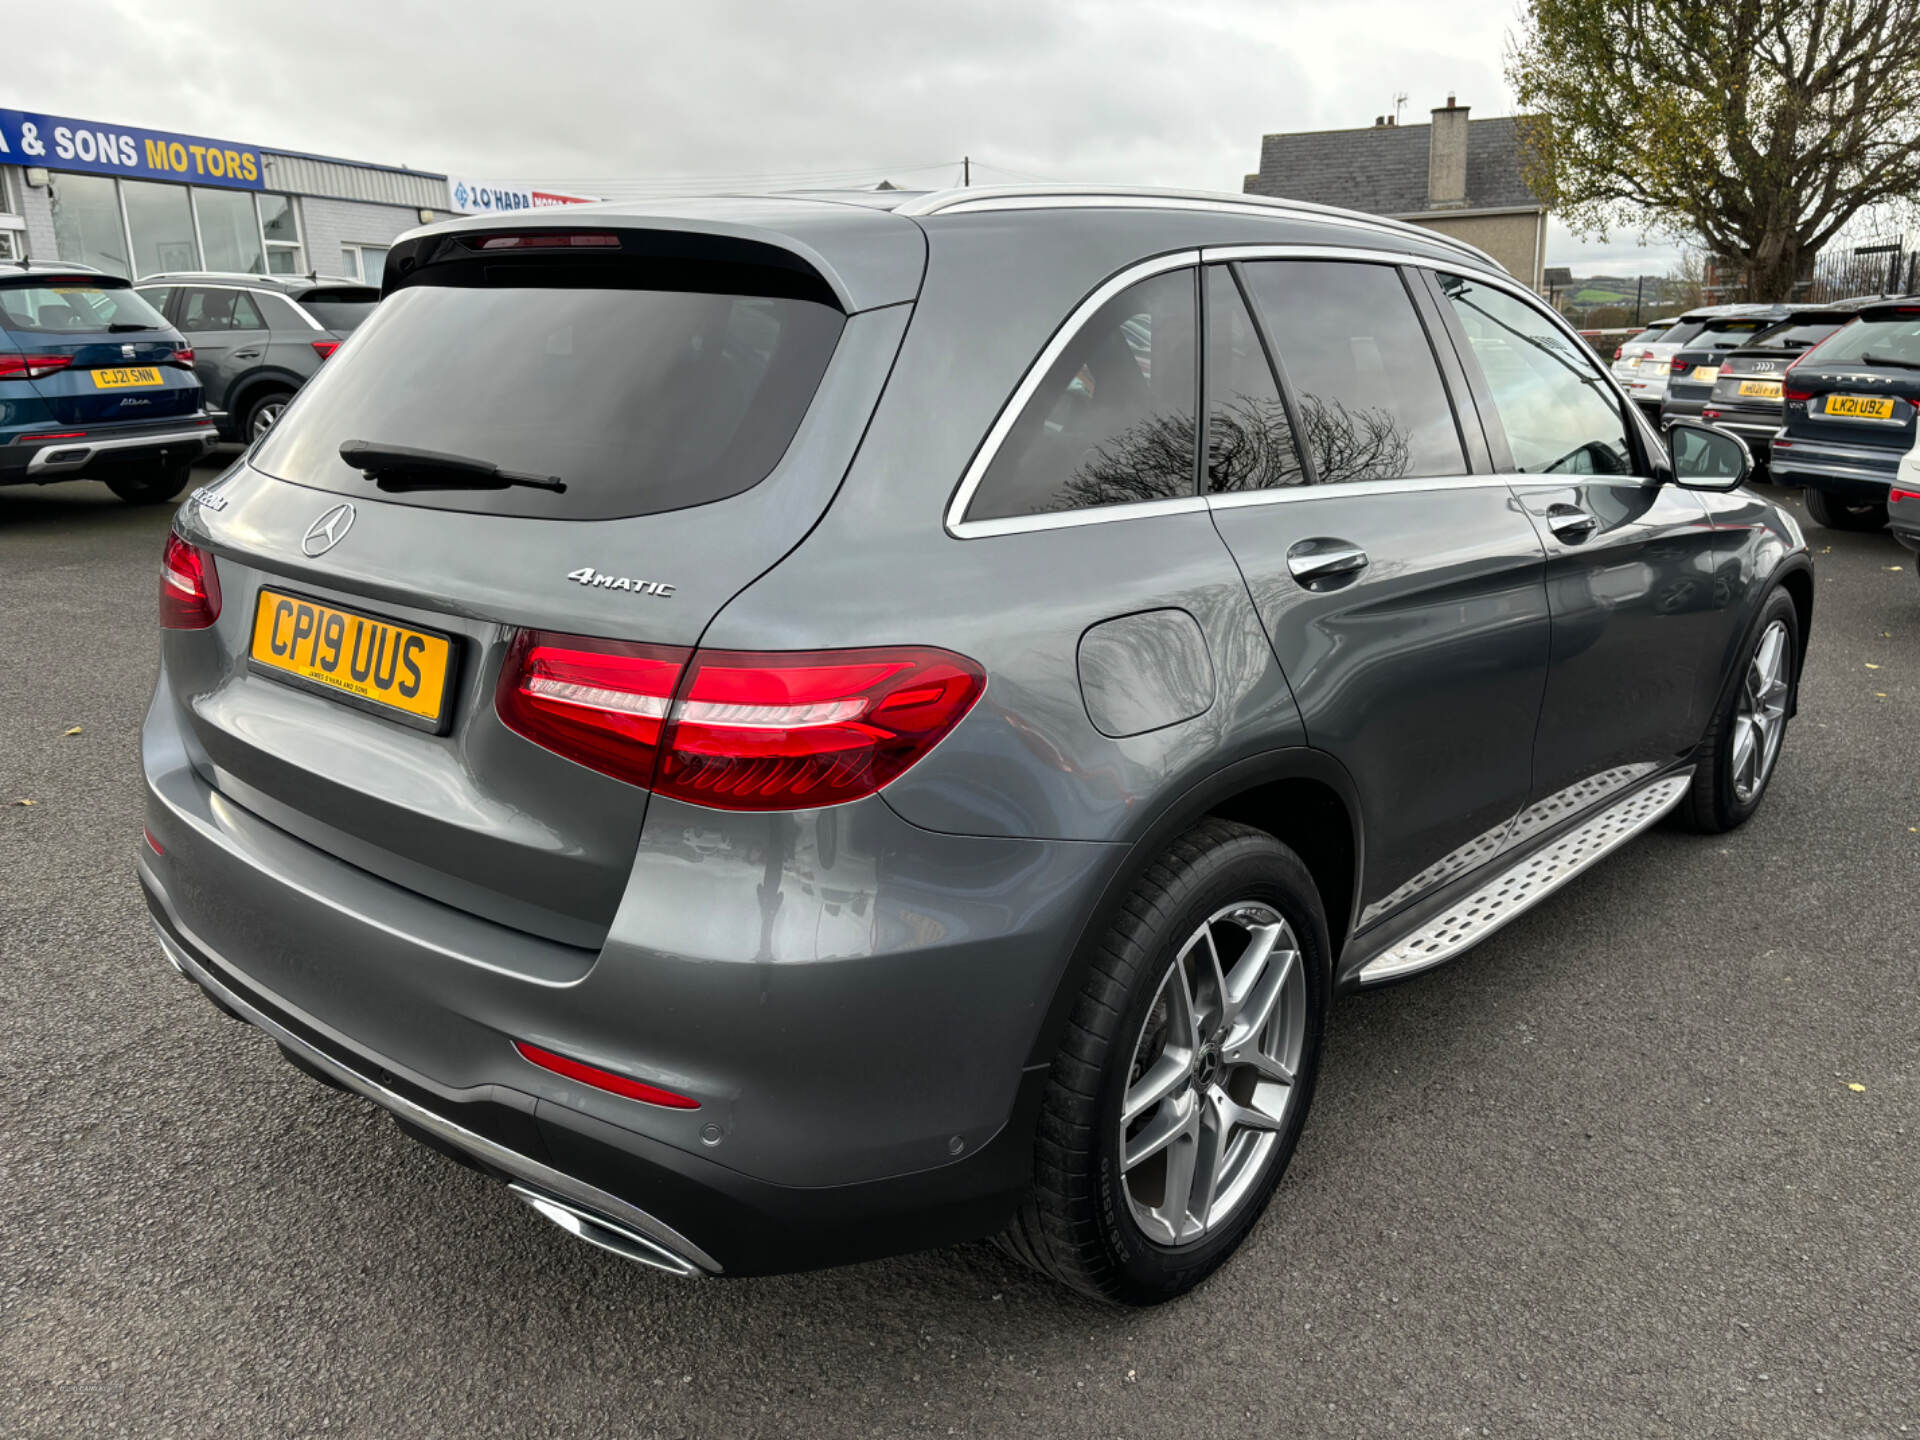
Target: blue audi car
94	384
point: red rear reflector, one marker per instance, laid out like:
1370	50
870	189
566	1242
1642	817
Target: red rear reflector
603	1079
152	844
1709	414
55	435
749	730
1894	497
32	367
324	348
551	240
189	587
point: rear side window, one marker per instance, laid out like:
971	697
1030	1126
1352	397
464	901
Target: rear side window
1112	421
1371	402
638	400
1249	434
1559	414
67	307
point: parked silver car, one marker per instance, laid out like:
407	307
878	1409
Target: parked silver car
794	728
258	338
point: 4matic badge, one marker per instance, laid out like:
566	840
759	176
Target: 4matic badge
587	575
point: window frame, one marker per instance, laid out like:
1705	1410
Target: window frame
359	249
1647	468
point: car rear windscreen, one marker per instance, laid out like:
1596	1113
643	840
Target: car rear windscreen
1865	341
341	310
1728	334
1797	334
1648	337
1681	333
639	401
76	307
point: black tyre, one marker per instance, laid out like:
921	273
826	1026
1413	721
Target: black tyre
1186	1072
261	414
1827	511
153	487
1742	747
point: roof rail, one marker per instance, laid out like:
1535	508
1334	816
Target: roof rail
1043	197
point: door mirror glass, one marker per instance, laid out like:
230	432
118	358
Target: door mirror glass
1705	458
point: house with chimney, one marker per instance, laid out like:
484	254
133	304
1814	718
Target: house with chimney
1460	176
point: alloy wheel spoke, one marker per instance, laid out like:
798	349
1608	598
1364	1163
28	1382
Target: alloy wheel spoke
1172	1120
1257	1008
1182	1160
1250	969
1231	1115
1164	1076
1743	747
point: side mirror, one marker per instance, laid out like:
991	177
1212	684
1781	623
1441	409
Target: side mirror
1705	458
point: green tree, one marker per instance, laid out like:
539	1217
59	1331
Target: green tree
1760	126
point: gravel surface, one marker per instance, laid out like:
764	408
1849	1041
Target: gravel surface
1646	1163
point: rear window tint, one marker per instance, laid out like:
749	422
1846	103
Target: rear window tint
340	309
639	400
1796	335
1729	334
73	307
1112	419
1867	340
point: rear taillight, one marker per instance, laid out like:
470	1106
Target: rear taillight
1894	497
189	587
600	702
324	348
32	367
1709	414
1677	366
182	355
738	730
1618	351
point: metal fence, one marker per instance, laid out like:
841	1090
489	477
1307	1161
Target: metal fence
1888	268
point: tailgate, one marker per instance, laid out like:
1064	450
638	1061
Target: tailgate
445	799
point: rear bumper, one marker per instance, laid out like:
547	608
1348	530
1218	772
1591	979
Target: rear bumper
1858	474
40	462
874	1095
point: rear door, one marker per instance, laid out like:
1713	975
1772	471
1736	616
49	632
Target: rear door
1397	580
1639	622
96	353
228	334
700	415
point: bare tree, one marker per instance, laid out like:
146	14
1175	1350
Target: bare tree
1762	126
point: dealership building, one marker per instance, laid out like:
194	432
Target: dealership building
138	202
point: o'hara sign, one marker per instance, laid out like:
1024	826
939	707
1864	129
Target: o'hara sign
60	143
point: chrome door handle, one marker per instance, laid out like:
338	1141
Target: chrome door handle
246	354
1570	523
1321	564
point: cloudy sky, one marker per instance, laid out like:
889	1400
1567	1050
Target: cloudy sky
620	97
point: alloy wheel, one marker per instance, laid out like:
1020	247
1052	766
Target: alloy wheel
1760	717
265	416
1211	1082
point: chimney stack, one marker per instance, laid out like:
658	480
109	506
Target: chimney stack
1447	157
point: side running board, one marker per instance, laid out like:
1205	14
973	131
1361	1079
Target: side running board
1526	884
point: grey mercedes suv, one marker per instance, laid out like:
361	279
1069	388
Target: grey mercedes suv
793	729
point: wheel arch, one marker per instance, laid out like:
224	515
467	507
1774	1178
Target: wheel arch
249	388
1301	796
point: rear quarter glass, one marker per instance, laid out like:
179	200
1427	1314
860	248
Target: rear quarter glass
57	307
640	401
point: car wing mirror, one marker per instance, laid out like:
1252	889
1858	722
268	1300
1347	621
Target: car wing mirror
1706	457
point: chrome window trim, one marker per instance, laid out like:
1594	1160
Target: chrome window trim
1351	489
962	528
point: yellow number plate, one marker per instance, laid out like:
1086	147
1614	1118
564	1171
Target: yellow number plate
1707	374
377	665
126	378
1765	389
1634	363
1859	407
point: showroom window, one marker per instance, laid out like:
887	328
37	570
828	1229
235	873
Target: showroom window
101	222
88	227
8	249
280	227
364	262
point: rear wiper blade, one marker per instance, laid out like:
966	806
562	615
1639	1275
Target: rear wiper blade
401	468
1889	360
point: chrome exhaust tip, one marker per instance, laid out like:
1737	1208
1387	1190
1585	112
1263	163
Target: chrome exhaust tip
606	1234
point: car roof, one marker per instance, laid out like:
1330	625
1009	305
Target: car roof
870	246
16	269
